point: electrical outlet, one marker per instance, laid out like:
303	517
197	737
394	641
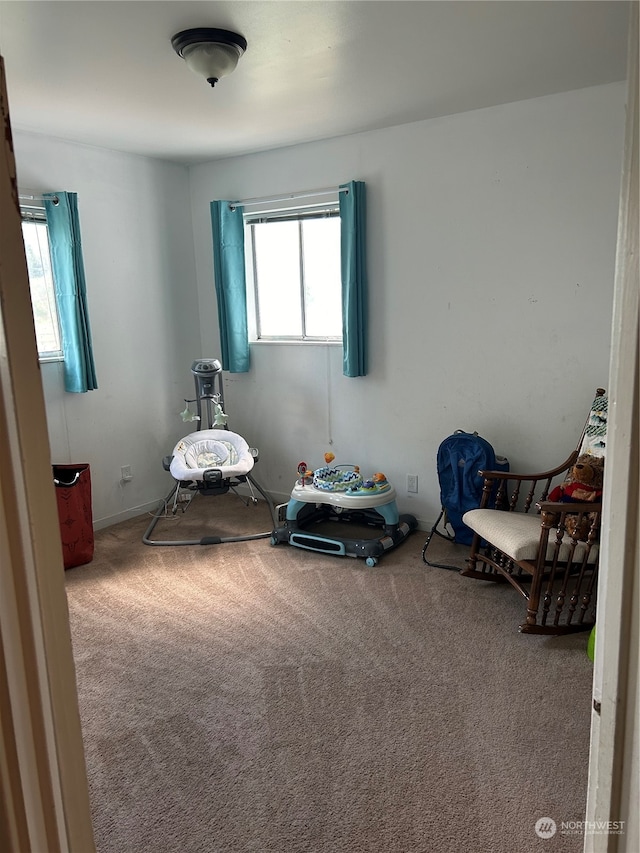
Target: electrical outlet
412	483
126	473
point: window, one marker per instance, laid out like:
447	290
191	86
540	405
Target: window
238	273
36	244
293	274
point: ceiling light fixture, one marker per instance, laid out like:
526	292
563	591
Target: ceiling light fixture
209	52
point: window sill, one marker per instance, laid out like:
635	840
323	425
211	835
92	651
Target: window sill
297	343
50	359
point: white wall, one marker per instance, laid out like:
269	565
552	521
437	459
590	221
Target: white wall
137	239
491	259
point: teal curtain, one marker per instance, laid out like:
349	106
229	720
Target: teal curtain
70	289
228	268
353	248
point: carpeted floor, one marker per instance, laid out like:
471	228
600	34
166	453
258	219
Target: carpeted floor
245	698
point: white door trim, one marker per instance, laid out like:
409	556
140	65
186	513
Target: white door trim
613	791
44	799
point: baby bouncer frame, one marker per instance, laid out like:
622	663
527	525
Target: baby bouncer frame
209	479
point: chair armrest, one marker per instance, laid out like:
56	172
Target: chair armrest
580	520
538	486
543	475
567	506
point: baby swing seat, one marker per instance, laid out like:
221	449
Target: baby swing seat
211	456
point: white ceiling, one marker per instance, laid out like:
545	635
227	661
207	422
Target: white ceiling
104	73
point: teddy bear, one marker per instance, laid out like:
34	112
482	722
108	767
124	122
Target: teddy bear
583	484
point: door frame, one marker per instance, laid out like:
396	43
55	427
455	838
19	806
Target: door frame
613	789
44	797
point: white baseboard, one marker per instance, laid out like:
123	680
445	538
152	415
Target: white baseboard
277	497
109	520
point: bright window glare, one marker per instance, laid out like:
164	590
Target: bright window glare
321	241
277	259
45	315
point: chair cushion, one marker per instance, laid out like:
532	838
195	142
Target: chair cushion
517	534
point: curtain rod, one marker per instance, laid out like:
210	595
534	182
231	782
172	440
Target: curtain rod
290	197
25	197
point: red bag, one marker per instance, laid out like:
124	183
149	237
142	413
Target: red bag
73	493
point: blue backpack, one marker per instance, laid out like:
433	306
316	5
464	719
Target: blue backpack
460	457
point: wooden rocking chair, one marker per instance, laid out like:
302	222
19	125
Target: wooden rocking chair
547	551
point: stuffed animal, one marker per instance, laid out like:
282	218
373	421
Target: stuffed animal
582	485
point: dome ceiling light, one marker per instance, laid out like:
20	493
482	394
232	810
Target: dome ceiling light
209	52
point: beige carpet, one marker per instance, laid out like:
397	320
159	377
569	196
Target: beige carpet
245	698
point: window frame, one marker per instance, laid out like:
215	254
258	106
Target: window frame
321	210
35	212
